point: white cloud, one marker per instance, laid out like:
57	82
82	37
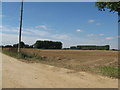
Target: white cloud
9	29
1	16
91	21
0	27
30	35
10	35
26	31
111	38
117	36
13	38
35	32
79	30
101	34
94	35
61	36
42	27
9	38
98	24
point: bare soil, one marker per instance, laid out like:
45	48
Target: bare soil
17	74
77	59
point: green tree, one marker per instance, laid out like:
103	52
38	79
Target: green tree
47	45
111	5
22	45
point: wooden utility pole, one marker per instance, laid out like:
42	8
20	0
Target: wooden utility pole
21	15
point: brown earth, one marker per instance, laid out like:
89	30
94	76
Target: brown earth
17	74
77	59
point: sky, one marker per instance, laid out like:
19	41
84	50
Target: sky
72	23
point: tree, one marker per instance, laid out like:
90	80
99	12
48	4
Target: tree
8	46
112	6
73	47
47	45
26	46
22	45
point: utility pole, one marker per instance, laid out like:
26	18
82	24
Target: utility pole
21	16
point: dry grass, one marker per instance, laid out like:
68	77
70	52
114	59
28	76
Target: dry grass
95	61
78	57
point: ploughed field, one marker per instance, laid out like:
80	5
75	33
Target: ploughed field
76	59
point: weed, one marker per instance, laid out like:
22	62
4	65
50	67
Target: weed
23	55
110	71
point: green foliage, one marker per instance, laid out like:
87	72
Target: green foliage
10	53
47	45
73	47
8	46
22	55
22	45
110	71
113	6
90	47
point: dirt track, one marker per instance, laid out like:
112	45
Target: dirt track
17	74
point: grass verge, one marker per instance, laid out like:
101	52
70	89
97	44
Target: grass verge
113	72
22	55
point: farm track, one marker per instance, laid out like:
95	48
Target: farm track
17	74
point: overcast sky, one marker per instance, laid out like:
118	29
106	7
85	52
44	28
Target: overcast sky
73	23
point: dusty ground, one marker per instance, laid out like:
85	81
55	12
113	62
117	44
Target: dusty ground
17	74
76	59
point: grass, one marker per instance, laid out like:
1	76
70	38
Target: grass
22	55
11	53
109	71
113	72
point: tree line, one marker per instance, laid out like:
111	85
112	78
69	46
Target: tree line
48	45
90	47
38	44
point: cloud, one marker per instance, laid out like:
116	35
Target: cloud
117	36
0	27
98	24
91	21
61	37
9	29
79	30
8	38
35	32
1	16
94	35
25	31
111	38
31	34
42	27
